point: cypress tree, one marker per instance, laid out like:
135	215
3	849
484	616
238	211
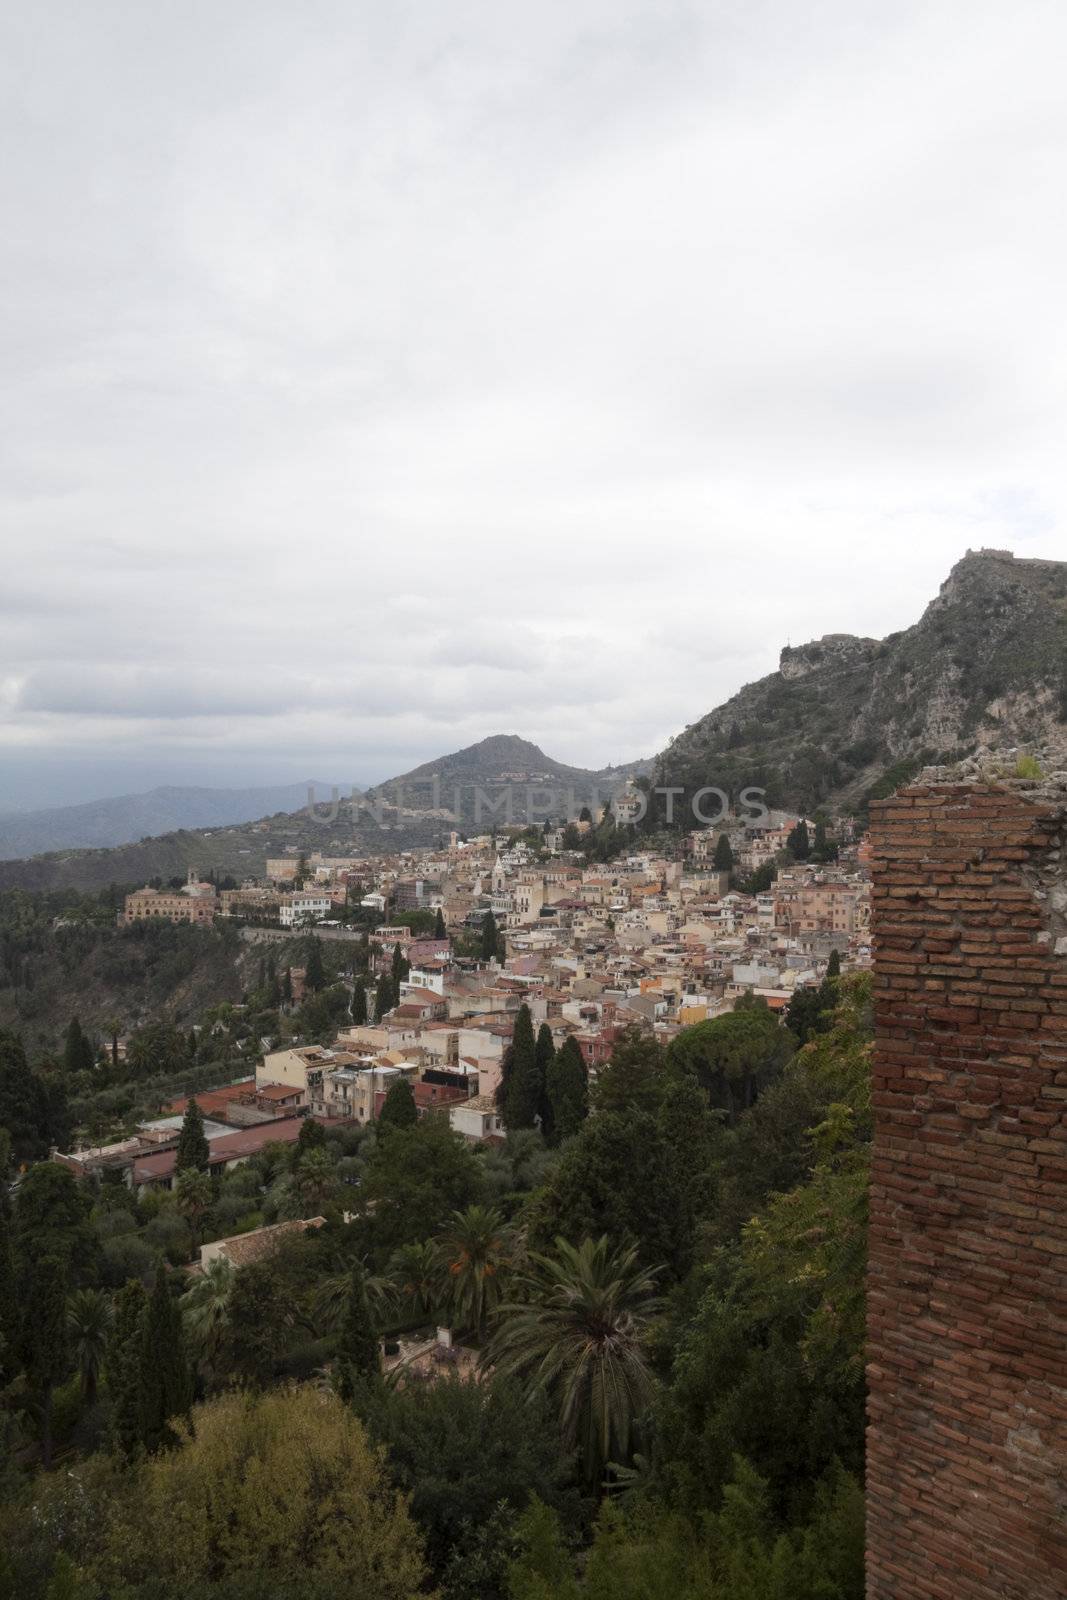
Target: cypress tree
166	1377
124	1369
798	841
833	966
490	937
315	971
77	1051
401	968
724	855
383	999
9	1302
522	1100
398	1108
439	929
287	987
193	1149
45	1336
545	1054
359	1003
357	1344
568	1090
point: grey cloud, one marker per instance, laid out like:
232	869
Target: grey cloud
378	376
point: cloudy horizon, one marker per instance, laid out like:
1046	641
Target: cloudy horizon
381	378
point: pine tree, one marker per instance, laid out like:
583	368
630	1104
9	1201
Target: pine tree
724	855
315	971
568	1091
522	1099
490	937
193	1149
357	1343
359	1003
123	1367
46	1339
439	930
166	1377
398	1108
545	1054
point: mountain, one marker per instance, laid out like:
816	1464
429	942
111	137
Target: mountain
842	720
124	818
501	759
241	848
845	719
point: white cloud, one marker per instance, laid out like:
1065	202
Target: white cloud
383	377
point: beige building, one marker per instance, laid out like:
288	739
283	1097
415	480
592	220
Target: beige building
195	903
300	1068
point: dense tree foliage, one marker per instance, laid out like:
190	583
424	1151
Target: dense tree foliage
472	1454
413	1178
660	1271
280	1497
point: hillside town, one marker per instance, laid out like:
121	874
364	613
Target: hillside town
651	940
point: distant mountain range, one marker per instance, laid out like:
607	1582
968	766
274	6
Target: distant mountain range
240	846
126	817
843	719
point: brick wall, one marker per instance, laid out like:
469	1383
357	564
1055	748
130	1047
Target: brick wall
967	1444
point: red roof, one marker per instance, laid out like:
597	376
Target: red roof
210	1100
231	1147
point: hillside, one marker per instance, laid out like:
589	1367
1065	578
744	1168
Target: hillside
843	717
241	849
502	759
100	972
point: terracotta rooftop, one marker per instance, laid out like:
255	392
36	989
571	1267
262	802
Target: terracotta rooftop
212	1100
245	1248
233	1147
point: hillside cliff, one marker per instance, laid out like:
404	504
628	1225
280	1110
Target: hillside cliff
845	717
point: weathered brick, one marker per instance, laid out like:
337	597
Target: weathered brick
967	1287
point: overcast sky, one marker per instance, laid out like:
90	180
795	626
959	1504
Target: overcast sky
380	376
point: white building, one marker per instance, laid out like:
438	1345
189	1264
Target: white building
296	910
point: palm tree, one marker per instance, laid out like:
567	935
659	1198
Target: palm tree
194	1197
315	1180
206	1305
329	1300
88	1322
415	1274
578	1338
474	1252
113	1027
